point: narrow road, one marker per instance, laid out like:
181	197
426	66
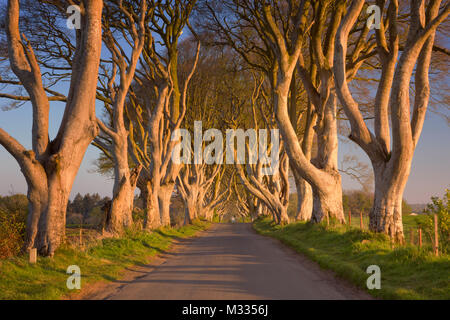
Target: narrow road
230	261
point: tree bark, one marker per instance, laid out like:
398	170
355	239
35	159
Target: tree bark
328	201
385	215
190	210
304	199
122	201
121	211
152	219
164	197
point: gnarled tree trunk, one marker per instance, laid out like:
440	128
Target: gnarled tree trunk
327	201
123	191
152	219
164	196
392	102
385	216
304	198
51	167
124	180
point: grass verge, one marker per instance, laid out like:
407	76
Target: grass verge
407	272
105	260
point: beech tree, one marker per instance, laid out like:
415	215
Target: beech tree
50	167
200	187
169	21
125	19
280	30
271	190
247	204
391	160
205	188
154	108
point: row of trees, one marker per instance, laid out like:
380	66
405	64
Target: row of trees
295	66
82	206
325	44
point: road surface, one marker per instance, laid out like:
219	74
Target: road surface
231	261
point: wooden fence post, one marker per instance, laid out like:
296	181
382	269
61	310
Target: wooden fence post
33	255
81	237
349	217
420	237
436	239
361	220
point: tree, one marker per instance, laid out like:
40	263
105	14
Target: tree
270	37
392	103
170	30
152	122
154	108
271	190
127	20
50	167
199	186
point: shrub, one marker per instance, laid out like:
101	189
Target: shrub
13	213
441	208
74	219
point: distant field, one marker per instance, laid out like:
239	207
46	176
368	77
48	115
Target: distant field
418	207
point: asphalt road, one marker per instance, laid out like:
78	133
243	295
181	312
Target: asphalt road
230	261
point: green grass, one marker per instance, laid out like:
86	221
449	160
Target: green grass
407	272
410	224
105	261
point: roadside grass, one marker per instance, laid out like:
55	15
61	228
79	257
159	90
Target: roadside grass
410	224
407	272
103	261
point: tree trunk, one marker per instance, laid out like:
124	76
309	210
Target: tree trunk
37	204
328	201
151	207
122	200
52	223
164	197
304	198
55	163
209	214
121	207
256	208
282	216
53	219
328	192
190	210
386	213
323	177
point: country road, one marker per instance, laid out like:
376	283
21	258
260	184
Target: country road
231	261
